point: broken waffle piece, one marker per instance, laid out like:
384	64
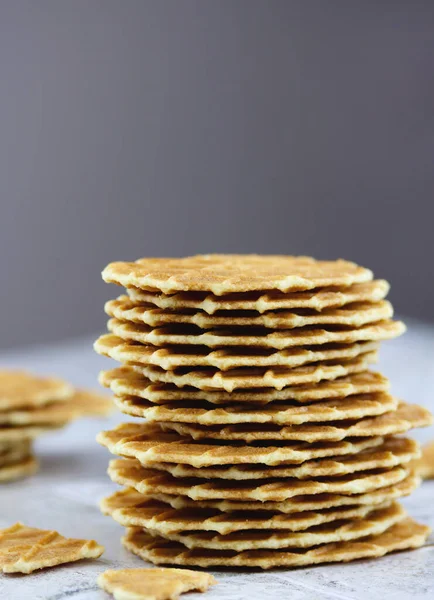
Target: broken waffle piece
26	549
153	584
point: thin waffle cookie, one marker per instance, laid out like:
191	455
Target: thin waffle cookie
320	299
26	432
148	443
131	509
153	584
262	337
81	403
375	522
249	377
27	549
14	452
172	357
405	534
125	381
352	315
151	481
316	502
407	416
425	465
19	389
21	468
227	273
281	413
393	452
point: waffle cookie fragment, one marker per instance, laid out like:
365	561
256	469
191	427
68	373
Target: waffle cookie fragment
424	466
268	440
26	549
153	584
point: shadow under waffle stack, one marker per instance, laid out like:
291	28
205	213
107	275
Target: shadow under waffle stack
266	441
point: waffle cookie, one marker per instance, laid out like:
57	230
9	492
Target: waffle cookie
32	405
281	413
319	299
351	315
402	536
268	440
149	443
131	509
127	381
227	273
257	337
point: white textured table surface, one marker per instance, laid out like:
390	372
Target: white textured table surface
64	494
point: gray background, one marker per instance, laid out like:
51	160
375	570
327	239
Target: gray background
168	127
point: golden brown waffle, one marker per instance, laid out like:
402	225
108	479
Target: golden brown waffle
281	413
316	502
16	470
153	584
250	378
19	389
81	403
131	509
227	273
14	452
27	549
405	534
319	299
151	481
148	443
25	432
172	357
352	315
425	465
405	417
125	381
262	338
375	522
393	452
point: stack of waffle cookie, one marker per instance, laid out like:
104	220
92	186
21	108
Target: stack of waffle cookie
32	405
267	441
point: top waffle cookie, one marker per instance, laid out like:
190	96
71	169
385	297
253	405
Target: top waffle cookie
223	274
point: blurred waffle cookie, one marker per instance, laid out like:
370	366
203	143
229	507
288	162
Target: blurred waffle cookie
22	467
30	406
19	389
424	466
